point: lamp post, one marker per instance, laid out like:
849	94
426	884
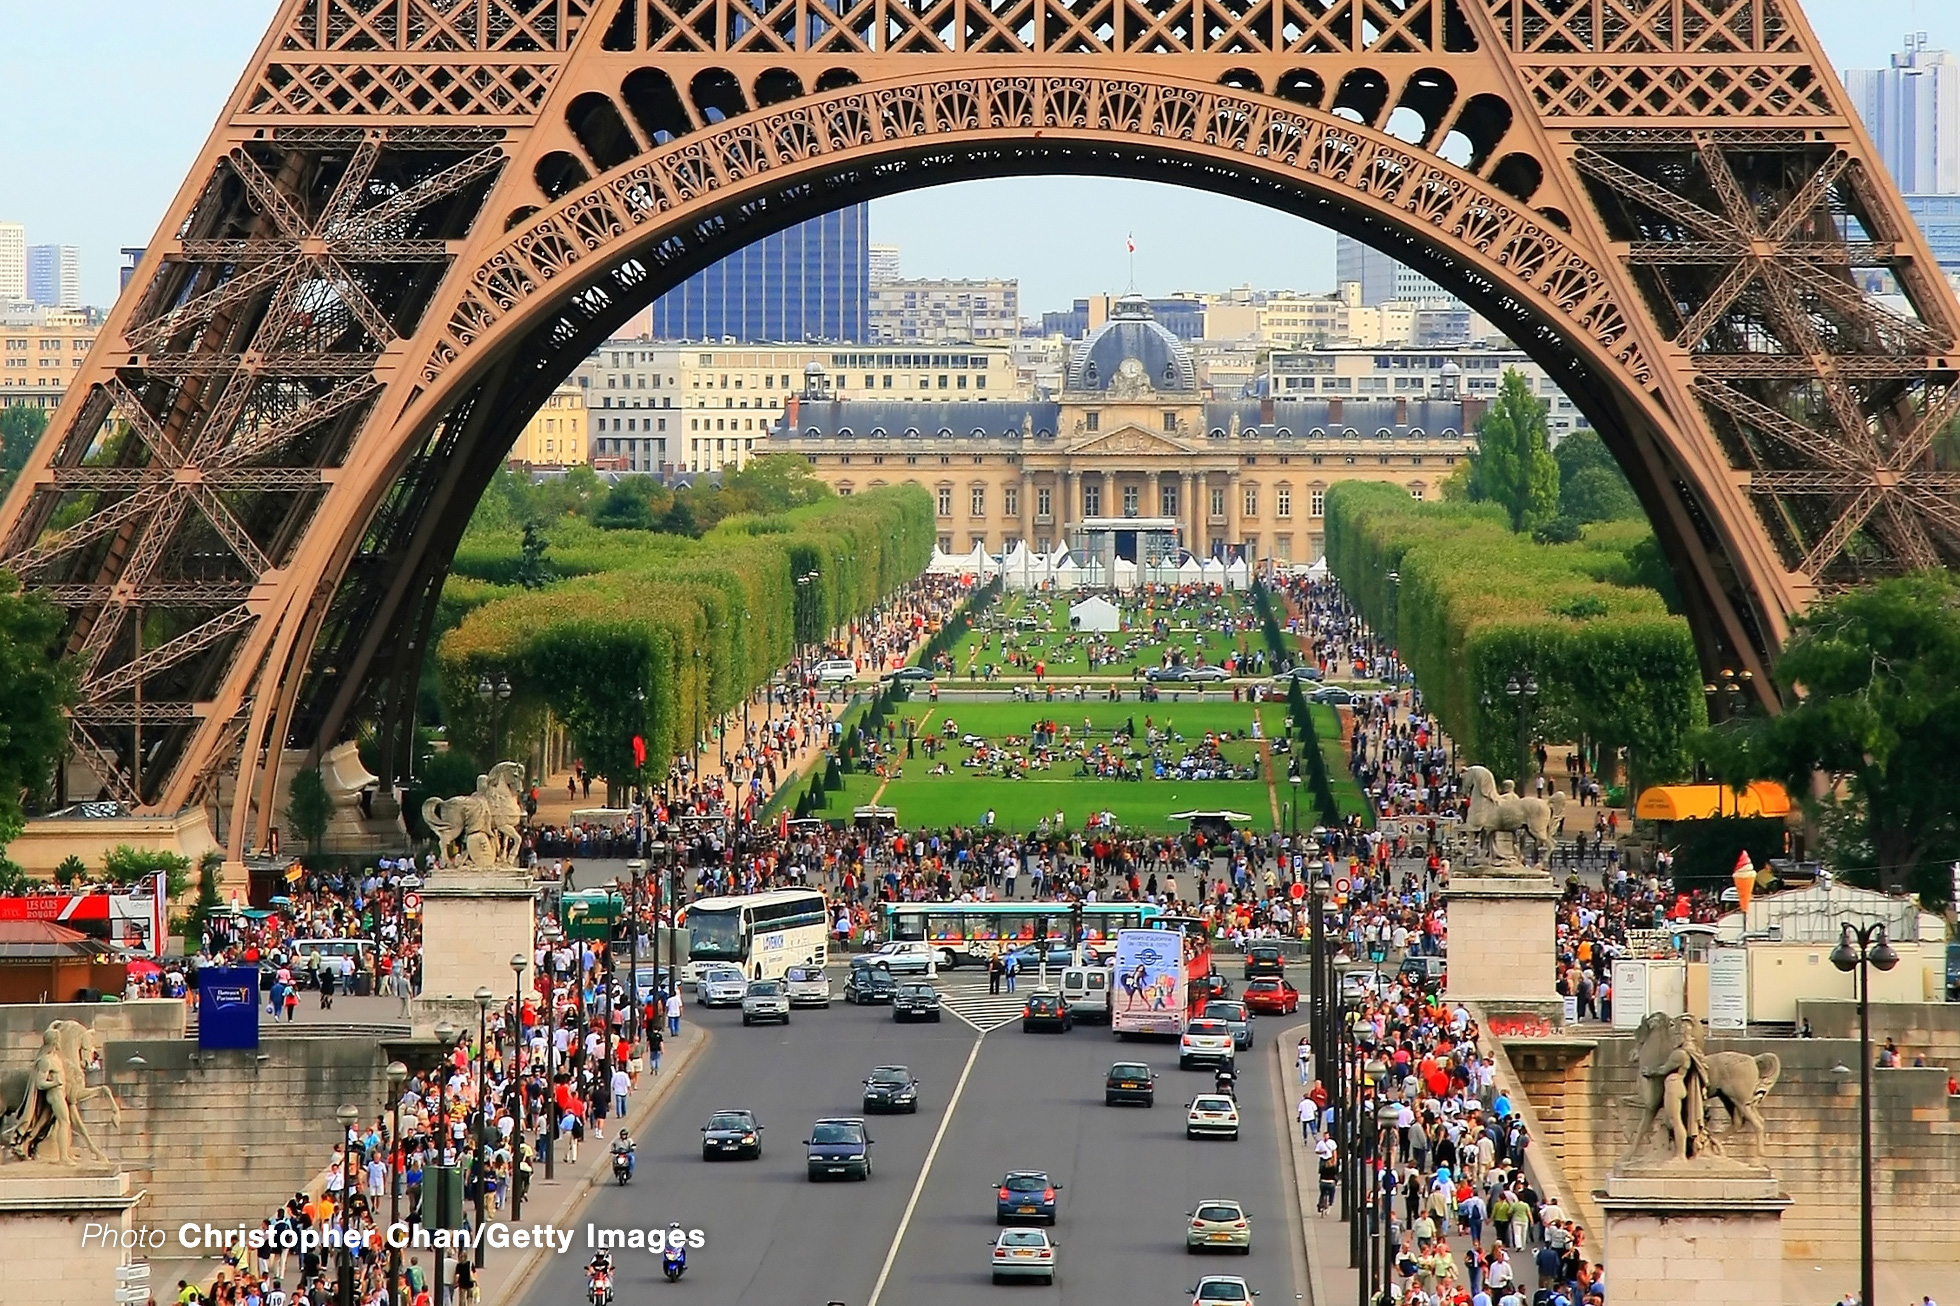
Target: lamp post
495	696
346	1115
446	1036
1523	687
1293	778
397	1075
634	868
518	963
606	1010
1386	1117
1323	1048
484	997
1860	948
550	1131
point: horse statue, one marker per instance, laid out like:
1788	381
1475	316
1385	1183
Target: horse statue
42	1105
1678	1080
503	790
481	827
1492	813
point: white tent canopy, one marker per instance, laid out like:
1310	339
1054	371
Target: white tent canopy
1237	575
1094	613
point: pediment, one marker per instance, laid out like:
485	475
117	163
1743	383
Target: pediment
1131	440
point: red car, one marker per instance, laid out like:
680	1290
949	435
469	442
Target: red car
1271	997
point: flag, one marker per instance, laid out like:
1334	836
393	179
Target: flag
1131	241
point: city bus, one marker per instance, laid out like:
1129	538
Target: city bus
763	934
971	933
1197	959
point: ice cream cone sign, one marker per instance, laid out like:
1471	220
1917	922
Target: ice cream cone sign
1745	880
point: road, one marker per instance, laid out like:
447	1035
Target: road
1029	1101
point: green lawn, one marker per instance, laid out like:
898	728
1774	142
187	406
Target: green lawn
1197	628
1333	749
936	802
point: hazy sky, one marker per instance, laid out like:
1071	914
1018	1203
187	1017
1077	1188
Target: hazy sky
107	101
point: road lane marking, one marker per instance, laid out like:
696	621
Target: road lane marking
911	1204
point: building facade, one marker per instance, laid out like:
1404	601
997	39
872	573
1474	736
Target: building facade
1130	435
556	434
1912	111
810	282
54	276
1472	374
1381	278
41	351
1938	217
686	409
944	312
13	264
1182	315
884	263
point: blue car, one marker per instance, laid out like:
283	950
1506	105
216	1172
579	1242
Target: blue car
1025	1196
1028	958
839	1149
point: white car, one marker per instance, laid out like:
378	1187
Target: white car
1024	1254
836	671
906	958
1213	1115
809	986
765	999
1222	1290
1206	1041
721	986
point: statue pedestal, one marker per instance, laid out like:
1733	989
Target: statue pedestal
1502	941
63	1229
473	922
1700	1233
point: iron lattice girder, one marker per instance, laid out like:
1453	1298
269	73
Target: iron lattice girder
559	191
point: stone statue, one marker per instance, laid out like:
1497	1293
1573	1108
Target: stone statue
43	1104
481	827
1510	813
1679	1080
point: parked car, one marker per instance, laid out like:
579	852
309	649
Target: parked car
1219	1224
1185	675
916	1000
838	1147
1271	997
1026	1195
1264	959
910	674
766	999
1130	1081
1024	1254
1046	1011
733	1134
835	671
1332	696
1305	671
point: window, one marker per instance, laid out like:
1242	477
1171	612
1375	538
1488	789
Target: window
1170	421
1044	501
1283	501
1317	503
1010	501
1218	501
1092	421
979	501
1252	501
1283	547
1129	501
945	501
1167	501
945	544
1415	492
1091	500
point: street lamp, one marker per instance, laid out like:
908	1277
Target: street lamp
1388	1118
1293	778
634	868
397	1075
484	997
495	696
446	1036
1860	948
518	963
1323	1048
1522	687
347	1115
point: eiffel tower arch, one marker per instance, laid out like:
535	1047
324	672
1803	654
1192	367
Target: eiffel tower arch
415	217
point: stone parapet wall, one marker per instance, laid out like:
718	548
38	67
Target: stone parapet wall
23	1023
1929	1027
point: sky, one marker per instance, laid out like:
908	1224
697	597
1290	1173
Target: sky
108	101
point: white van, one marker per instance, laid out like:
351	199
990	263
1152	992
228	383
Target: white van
1086	990
836	671
306	955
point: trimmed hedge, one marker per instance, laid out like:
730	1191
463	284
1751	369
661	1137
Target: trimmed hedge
1476	603
660	633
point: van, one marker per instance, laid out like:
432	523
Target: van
1086	990
302	952
836	671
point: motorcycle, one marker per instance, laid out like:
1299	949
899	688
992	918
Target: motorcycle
598	1289
622	1167
673	1262
1227	1083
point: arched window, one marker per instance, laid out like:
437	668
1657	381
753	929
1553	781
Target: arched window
1384	433
1415	432
877	432
1284	433
812	433
843	432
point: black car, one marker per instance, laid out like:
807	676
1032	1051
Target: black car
911	673
1025	1196
916	1002
1263	959
732	1134
1130	1081
839	1148
1046	1011
1425	973
891	1088
869	984
1217	987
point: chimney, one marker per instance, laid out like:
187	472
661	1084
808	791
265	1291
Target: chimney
1401	410
1333	410
1265	410
1473	412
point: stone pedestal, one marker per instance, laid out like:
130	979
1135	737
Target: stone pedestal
1502	936
65	1231
473	921
1699	1234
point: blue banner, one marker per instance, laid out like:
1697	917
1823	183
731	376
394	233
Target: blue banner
228	1007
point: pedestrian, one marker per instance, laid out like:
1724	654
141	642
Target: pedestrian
622	1084
993	975
1306	1113
674	1013
1304	1059
654	1039
1010	968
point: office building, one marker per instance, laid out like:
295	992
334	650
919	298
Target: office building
1912	111
1938	217
41	351
54	276
13	264
556	434
811	282
1384	373
884	264
944	312
1381	278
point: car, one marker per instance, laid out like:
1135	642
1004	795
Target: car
1217	987
1305	671
1185	675
838	1147
869	984
1271	996
1046	1011
1264	959
1130	1081
733	1134
1222	1290
915	1000
721	986
1332	696
1425	973
835	671
1219	1224
891	1088
910	674
1207	1042
903	958
1024	1254
1027	958
1086	989
766	999
1026	1195
1212	1115
809	986
1237	1018
1357	985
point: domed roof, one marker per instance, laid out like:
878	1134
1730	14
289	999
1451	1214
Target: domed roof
1129	350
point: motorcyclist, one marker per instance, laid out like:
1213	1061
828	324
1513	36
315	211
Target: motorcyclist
1225	1082
599	1267
623	1146
674	1255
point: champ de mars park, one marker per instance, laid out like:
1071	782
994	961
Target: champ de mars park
1152	829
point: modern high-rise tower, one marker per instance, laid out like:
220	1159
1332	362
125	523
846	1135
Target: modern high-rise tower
1912	110
54	275
809	283
13	263
1381	278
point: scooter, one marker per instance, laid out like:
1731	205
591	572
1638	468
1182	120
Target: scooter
598	1290
1227	1083
622	1167
673	1261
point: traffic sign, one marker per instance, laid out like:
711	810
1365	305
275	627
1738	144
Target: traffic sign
1342	885
412	902
1297	891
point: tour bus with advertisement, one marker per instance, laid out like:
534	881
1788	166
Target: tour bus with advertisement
971	933
1150	991
1183	993
762	934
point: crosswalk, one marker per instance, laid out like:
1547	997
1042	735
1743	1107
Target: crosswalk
968	1000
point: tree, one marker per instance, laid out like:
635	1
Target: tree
624	510
208	899
21	428
1459	486
1872	679
1597	494
35	687
309	807
533	572
71	869
125	864
1513	465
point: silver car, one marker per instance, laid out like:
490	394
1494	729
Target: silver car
724	986
765	999
1024	1254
